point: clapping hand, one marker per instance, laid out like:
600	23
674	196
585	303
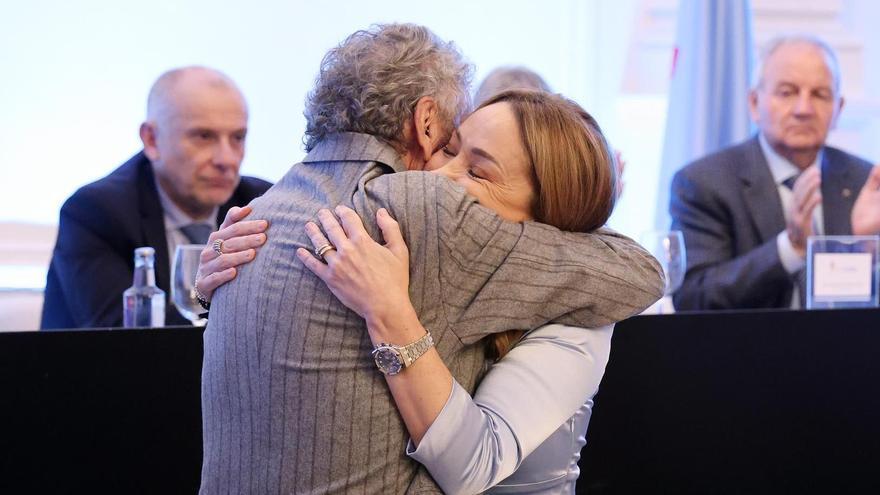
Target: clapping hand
866	210
807	196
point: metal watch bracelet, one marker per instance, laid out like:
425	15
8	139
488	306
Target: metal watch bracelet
415	350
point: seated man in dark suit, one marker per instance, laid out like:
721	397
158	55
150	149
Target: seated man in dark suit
746	212
175	191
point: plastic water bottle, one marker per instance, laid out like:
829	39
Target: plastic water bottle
143	304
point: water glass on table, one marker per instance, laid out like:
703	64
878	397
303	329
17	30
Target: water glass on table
183	278
668	247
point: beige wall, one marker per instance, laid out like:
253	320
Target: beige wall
25	251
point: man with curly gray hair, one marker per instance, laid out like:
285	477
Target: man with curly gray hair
398	83
292	401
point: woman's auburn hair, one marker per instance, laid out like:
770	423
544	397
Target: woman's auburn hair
574	169
575	175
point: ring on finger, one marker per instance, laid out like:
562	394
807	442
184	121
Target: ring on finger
321	251
217	246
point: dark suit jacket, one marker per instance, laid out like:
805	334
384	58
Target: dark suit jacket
728	207
99	228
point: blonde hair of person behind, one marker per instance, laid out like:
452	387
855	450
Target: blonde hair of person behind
575	175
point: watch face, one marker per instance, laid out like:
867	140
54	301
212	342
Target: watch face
388	360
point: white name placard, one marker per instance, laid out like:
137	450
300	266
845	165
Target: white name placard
842	276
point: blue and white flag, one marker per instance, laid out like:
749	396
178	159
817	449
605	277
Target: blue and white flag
708	94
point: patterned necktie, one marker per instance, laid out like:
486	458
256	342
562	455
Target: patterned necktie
800	278
197	233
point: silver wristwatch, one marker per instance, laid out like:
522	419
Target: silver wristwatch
392	359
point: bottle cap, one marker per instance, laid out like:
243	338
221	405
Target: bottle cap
144	256
144	252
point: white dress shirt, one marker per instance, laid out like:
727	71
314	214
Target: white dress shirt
175	218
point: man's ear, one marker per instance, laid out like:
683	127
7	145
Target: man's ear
148	137
841	101
753	105
426	121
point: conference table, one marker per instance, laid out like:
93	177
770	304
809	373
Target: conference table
724	402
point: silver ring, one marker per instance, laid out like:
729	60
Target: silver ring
217	246
321	251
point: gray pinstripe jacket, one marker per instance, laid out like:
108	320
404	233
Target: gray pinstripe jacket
291	400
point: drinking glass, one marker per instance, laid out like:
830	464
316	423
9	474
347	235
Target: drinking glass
183	281
668	248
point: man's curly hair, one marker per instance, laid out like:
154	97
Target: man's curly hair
371	82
